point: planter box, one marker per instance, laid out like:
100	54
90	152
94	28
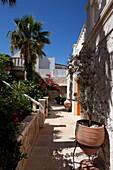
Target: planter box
29	129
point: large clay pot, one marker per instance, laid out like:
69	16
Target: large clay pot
67	104
89	137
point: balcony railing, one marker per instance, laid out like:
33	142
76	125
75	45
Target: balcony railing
52	72
18	64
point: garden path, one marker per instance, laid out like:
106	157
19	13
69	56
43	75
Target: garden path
54	145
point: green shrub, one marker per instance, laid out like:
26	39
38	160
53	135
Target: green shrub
62	99
14	107
5	60
57	98
10	153
33	90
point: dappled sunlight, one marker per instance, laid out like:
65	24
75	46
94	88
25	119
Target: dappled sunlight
54	146
55	143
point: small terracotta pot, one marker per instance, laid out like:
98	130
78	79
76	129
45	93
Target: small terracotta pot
67	104
8	68
91	137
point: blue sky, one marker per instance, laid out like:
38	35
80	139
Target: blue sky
64	18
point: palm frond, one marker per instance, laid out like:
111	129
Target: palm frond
46	33
11	2
29	38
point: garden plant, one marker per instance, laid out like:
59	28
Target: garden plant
89	75
14	107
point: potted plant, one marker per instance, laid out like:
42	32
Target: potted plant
67	104
89	133
57	98
62	99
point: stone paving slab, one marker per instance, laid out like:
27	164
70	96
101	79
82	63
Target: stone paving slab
54	146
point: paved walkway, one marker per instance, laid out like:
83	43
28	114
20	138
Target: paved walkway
54	145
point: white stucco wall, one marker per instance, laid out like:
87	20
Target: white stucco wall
102	38
47	63
44	63
52	62
37	63
77	47
17	54
94	9
99	34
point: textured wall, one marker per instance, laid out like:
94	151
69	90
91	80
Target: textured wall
101	39
29	129
53	93
47	63
99	35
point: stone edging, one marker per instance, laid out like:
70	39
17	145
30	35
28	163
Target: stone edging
29	129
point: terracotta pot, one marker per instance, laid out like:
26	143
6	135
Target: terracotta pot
67	104
91	137
8	68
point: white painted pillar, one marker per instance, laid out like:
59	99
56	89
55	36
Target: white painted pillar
41	112
34	105
74	103
46	98
68	86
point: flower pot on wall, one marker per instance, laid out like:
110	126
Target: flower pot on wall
89	137
8	68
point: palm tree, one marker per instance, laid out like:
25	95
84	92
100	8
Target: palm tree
11	2
29	39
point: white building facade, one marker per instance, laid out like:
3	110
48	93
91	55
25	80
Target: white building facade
43	66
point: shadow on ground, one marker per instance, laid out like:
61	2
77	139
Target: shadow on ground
54	146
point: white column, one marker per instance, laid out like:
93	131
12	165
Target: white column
68	86
41	112
46	97
74	103
34	105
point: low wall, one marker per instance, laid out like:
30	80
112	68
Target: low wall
29	129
